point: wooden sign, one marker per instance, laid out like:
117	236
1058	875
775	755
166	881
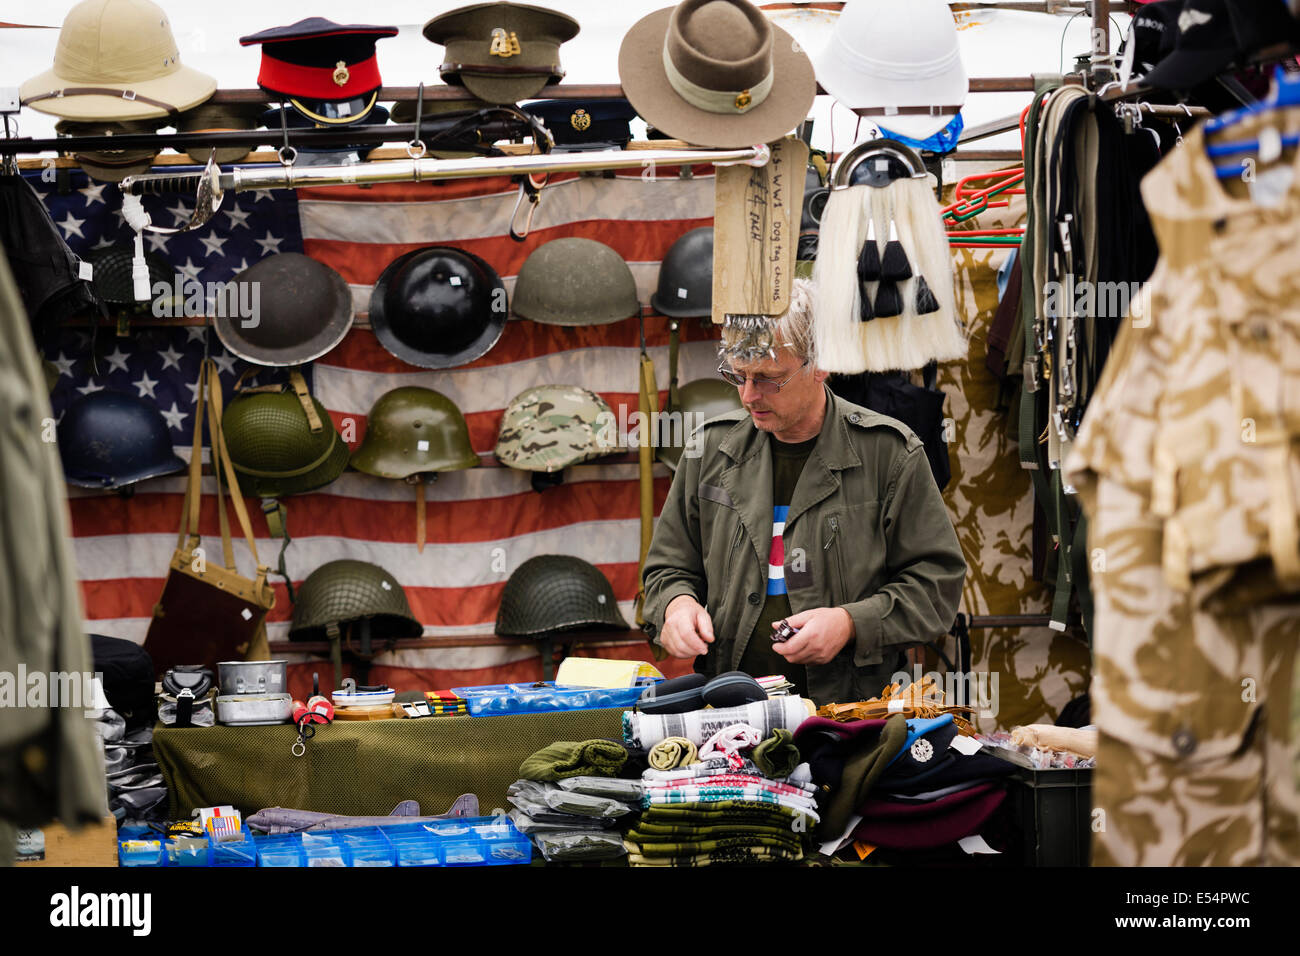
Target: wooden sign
756	218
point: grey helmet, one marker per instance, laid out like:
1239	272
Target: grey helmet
554	593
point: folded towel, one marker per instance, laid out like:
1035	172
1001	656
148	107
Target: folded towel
729	741
672	753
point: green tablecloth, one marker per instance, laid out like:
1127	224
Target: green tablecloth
363	767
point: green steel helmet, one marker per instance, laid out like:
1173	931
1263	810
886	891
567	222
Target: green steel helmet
412	430
552	593
273	448
686	277
551	427
575	282
341	592
700	400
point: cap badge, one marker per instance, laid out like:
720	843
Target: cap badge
743	99
580	120
504	45
922	750
341	74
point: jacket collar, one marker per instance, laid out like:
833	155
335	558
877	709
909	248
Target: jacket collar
744	440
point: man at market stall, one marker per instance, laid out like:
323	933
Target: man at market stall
800	507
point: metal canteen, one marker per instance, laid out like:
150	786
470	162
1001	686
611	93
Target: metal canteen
253	677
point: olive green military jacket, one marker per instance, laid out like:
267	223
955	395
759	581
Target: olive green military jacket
867	531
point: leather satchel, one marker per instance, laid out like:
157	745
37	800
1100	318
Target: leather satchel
209	612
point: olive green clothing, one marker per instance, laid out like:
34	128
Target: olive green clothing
761	658
595	758
867	531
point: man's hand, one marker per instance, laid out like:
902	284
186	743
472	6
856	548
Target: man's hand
823	632
687	630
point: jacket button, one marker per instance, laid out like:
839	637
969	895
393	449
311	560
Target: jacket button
753	598
855	418
1184	742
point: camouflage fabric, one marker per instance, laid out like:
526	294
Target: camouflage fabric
553	426
1186	465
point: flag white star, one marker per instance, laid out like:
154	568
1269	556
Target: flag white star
93	193
157	241
190	270
89	387
116	360
71	226
175	417
238	217
213	244
180	213
195	333
171	358
269	244
104	243
226	362
145	385
194	392
243	264
64	365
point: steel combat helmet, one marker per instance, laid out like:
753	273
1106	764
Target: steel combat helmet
553	593
412	430
698	401
550	427
575	281
113	439
342	592
686	277
278	447
438	307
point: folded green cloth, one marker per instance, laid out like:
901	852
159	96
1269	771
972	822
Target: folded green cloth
761	854
696	847
565	758
777	756
727	811
652	832
671	753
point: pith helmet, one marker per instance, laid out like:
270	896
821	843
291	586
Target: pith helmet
124	51
686	277
501	52
341	592
552	593
700	400
304	309
551	427
113	439
438	307
412	430
274	449
575	282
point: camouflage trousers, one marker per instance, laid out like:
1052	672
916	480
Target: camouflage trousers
1193	696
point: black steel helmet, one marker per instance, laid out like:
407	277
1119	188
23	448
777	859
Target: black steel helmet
111	278
412	430
698	401
438	307
552	593
303	308
273	448
575	281
686	277
341	592
112	439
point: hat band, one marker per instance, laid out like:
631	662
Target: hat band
726	102
130	96
484	69
319	82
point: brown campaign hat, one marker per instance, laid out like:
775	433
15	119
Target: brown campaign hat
116	60
220	118
716	73
112	165
501	52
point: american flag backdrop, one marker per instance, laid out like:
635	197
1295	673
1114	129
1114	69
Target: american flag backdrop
482	523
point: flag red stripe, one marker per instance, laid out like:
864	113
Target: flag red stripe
522	340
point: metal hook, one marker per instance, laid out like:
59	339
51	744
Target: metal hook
416	148
286	153
534	193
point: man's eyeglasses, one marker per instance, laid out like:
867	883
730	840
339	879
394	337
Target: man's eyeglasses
762	384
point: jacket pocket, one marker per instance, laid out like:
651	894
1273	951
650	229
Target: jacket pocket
832	550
